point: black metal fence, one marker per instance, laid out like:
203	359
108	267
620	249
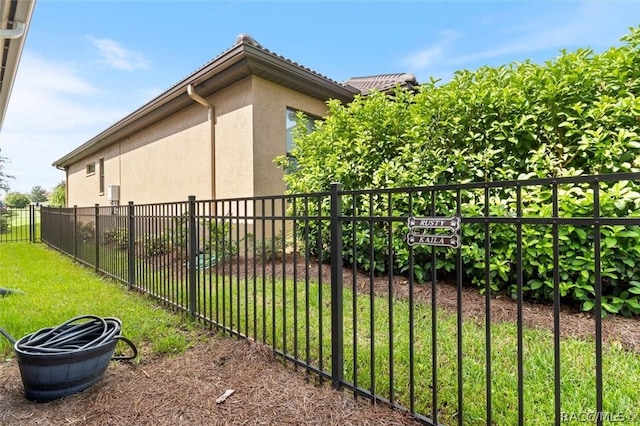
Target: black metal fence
368	289
20	224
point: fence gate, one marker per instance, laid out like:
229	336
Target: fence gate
18	225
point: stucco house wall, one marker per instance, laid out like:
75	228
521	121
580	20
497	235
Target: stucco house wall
154	165
270	132
173	159
233	141
87	186
166	161
169	148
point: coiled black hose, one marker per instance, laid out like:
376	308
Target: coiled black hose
73	335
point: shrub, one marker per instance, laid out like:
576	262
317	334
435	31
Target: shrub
153	245
274	248
578	114
117	236
5	221
87	231
220	243
16	200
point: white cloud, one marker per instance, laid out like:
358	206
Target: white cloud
591	24
424	58
116	56
543	38
51	97
594	24
51	77
433	54
53	109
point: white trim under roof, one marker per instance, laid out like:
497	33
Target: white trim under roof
15	17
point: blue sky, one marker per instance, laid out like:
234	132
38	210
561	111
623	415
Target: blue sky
87	64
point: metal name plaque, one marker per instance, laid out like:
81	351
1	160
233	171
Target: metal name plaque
452	241
452	223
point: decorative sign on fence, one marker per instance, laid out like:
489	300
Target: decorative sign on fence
440	240
452	223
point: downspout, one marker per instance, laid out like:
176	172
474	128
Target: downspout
14	33
212	119
65	169
66	186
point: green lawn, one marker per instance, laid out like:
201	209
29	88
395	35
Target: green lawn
274	308
56	289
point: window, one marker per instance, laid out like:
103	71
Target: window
102	175
291	124
91	169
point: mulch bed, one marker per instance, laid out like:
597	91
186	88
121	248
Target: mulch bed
616	329
182	390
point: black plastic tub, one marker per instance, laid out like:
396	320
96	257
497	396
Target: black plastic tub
51	376
50	372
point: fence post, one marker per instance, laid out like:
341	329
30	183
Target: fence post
59	228
31	220
96	234
37	212
337	347
43	218
192	253
131	255
41	224
75	232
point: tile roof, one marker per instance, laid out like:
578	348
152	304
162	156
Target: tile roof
246	57
246	40
362	85
381	82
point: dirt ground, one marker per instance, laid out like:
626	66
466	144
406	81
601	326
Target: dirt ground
616	329
182	390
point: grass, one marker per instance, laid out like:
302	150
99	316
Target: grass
276	314
295	318
56	289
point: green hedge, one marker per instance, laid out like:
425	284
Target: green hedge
577	114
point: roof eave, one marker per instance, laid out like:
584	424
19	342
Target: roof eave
11	49
233	65
299	78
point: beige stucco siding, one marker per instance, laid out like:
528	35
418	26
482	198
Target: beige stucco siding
269	130
168	161
170	169
234	141
84	188
172	159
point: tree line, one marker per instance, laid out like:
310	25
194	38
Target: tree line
38	194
